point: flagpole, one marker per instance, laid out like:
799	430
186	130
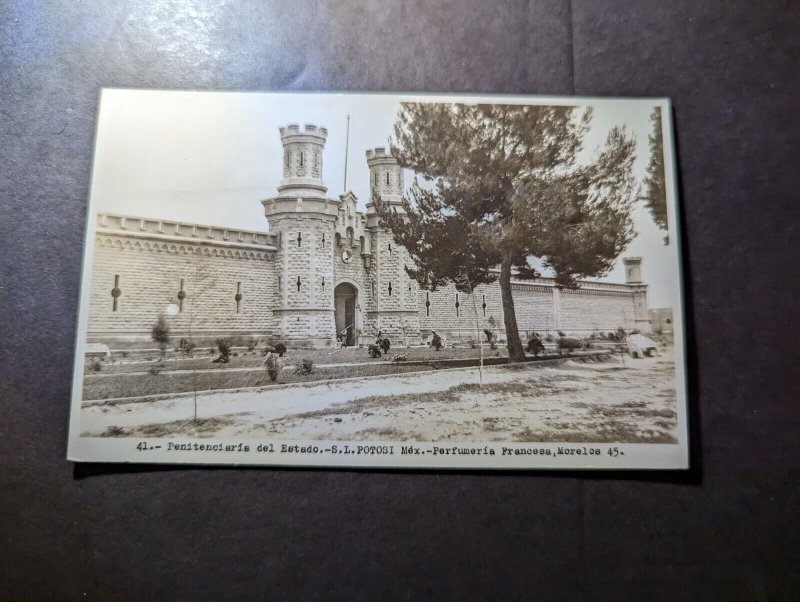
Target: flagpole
346	150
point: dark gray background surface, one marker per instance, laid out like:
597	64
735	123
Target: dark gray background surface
726	529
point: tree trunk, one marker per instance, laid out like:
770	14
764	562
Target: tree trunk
516	352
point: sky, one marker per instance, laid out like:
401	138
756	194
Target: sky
211	157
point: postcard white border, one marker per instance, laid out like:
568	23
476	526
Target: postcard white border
609	456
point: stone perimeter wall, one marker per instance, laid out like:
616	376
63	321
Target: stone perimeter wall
150	271
540	308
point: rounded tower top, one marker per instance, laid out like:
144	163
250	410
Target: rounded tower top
302	160
386	175
386	182
301	190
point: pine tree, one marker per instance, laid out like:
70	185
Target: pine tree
655	185
503	186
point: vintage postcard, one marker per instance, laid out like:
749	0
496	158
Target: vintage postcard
381	280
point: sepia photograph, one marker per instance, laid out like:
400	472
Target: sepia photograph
381	280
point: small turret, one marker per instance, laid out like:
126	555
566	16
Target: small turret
302	160
386	182
386	175
633	270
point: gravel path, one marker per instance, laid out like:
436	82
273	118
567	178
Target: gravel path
577	401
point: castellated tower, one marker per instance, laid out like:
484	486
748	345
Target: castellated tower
393	308
303	218
633	276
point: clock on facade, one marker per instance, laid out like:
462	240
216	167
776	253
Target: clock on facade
346	255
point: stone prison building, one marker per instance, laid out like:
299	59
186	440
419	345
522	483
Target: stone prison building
320	274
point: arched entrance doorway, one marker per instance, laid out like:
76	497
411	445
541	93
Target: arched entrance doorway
345	297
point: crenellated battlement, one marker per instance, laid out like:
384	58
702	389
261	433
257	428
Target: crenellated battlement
378	152
138	227
310	129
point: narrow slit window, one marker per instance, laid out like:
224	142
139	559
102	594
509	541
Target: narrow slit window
181	297
390	289
302	158
457	305
299	238
298	284
427	304
238	297
115	292
388	178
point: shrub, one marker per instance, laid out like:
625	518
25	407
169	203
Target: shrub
568	343
96	366
125	354
472	343
160	334
549	338
274	366
436	342
252	344
374	351
385	344
224	347
114	431
561	334
304	367
280	349
535	346
186	345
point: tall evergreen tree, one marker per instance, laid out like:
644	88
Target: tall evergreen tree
655	186
503	187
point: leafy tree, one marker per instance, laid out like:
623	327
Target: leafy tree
504	186
655	186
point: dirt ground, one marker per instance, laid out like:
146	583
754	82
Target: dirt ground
576	401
